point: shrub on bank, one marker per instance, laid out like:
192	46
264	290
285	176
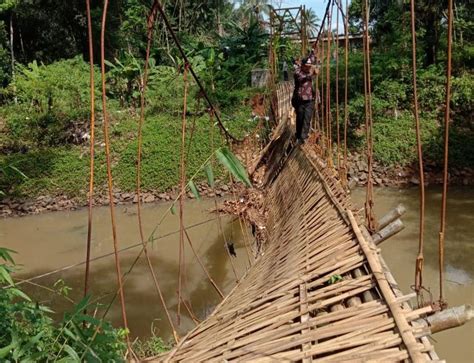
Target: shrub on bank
28	334
53	104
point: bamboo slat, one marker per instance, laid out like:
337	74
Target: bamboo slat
292	304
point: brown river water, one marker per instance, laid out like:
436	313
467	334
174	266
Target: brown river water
54	240
455	345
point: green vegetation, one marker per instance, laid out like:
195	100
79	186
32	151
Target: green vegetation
28	334
392	96
150	347
44	115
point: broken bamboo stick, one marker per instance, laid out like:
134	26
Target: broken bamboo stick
388	231
448	319
391	216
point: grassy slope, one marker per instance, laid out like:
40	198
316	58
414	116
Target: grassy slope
65	170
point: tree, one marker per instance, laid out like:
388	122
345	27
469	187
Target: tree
312	23
9	6
254	10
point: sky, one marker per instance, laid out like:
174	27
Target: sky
319	6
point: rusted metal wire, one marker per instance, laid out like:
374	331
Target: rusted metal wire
369	203
321	28
337	91
109	174
66	268
322	98
92	147
346	89
420	257
227	134
150	24
211	280
218	215
328	88
442	231
182	193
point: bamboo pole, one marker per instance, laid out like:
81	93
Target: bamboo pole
404	329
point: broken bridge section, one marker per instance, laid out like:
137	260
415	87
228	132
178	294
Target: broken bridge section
319	292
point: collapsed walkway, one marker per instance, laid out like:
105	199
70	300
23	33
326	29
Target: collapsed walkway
320	291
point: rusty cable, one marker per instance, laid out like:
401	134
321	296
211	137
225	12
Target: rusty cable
92	147
227	134
442	231
150	24
328	88
369	203
218	215
337	92
323	100
66	268
109	174
211	280
346	89
182	192
420	258
321	28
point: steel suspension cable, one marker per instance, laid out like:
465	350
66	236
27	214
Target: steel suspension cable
92	147
346	89
218	216
321	28
182	193
227	134
337	92
420	257
150	25
323	99
369	204
442	231
109	174
328	87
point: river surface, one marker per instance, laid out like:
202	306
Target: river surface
54	240
455	345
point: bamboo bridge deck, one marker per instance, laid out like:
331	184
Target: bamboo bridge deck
320	291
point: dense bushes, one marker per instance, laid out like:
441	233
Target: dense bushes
392	108
53	104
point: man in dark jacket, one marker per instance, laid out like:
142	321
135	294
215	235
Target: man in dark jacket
303	97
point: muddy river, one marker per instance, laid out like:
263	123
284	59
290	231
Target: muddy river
456	345
55	240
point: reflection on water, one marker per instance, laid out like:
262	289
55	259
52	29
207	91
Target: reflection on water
400	253
47	242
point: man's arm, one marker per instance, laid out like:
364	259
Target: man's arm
301	76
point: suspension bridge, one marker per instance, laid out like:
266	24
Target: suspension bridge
319	289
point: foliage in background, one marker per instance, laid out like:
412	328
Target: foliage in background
53	102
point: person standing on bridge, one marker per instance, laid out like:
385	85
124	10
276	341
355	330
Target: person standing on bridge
303	96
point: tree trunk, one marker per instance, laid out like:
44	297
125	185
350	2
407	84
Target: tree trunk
12	52
220	29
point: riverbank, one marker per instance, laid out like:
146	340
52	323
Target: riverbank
398	177
13	207
404	176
